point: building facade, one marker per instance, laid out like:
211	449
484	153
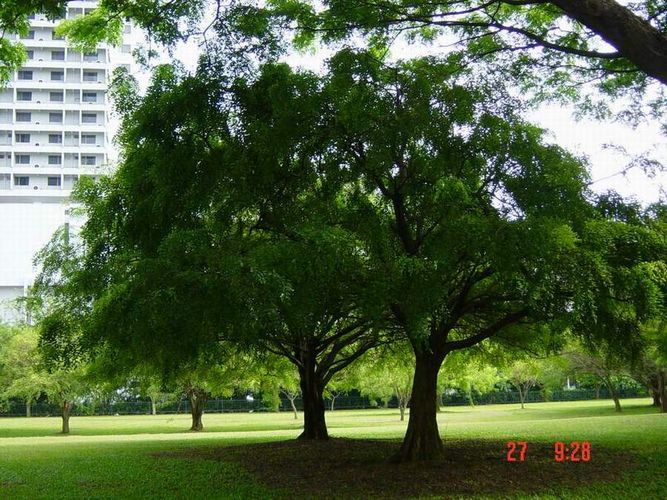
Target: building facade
55	127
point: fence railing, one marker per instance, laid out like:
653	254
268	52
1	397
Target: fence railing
342	402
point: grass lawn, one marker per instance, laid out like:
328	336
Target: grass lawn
253	455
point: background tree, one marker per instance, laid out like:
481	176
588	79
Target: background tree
523	375
607	367
469	373
386	374
22	368
656	355
65	387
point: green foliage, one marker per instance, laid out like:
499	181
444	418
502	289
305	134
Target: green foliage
468	373
22	371
543	46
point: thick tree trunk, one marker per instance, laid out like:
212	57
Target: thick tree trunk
635	38
28	408
662	378
66	410
655	394
197	398
312	389
422	438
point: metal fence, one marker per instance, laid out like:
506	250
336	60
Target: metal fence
342	402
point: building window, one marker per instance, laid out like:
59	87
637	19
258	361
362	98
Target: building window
53	181
57	76
88	118
22	137
21	180
55	117
23	95
88	139
125	49
55	160
90	76
57	55
89	97
25	75
22	159
23	116
30	35
55	36
55	139
88	160
30	54
56	96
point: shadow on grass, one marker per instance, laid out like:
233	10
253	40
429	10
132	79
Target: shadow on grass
346	468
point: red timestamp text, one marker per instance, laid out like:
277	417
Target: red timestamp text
576	451
516	451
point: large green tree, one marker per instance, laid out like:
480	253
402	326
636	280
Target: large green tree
480	228
248	244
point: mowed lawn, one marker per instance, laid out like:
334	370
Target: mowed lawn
156	457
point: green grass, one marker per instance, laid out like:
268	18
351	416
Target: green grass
111	457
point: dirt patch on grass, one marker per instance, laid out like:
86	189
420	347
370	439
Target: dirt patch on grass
351	468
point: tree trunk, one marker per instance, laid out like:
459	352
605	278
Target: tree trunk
597	391
197	398
522	397
614	394
153	406
296	415
662	379
401	409
66	410
312	389
634	37
422	438
655	394
471	401
28	405
333	401
653	386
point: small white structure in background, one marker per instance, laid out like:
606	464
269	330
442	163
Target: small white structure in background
54	129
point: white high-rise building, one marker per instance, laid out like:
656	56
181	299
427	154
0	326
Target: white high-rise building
54	129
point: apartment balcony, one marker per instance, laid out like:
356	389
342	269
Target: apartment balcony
33	170
38	63
21	194
40	43
46	84
54	127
